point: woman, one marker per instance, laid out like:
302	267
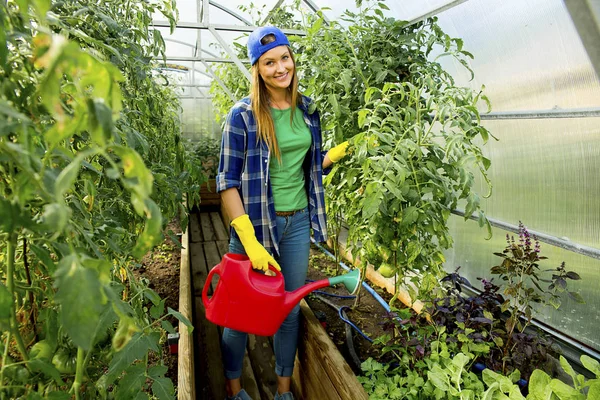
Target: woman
270	180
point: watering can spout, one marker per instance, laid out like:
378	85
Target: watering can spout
351	280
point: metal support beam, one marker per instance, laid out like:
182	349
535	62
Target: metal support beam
311	4
205	17
195	47
219	81
220	27
201	59
586	17
191	85
231	12
543	237
542	114
231	54
203	73
275	7
436	11
195	97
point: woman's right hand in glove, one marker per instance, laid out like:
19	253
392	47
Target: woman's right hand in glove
256	252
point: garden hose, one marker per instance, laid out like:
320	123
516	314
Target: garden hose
349	340
339	296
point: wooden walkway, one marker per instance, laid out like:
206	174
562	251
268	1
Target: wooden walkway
321	373
209	240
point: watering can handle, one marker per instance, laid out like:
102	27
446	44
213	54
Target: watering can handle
272	268
216	270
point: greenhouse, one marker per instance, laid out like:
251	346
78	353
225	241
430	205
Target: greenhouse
300	199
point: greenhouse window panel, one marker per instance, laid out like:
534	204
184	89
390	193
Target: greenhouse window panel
475	257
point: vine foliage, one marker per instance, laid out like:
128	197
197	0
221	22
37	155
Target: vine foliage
92	166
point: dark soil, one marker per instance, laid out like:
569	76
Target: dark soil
161	268
367	315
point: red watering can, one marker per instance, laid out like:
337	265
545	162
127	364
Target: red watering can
252	302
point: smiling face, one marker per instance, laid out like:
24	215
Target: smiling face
276	68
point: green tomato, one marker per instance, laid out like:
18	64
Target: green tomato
387	270
42	349
64	362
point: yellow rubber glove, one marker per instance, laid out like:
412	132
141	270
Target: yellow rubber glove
258	255
338	152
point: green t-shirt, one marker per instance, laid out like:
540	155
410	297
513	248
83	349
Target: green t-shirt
287	178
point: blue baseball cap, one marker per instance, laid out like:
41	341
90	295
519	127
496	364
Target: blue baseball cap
257	49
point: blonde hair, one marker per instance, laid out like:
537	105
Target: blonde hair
260	101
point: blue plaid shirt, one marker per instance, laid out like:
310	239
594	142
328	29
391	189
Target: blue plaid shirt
244	165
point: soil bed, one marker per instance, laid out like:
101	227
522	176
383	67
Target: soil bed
160	268
368	315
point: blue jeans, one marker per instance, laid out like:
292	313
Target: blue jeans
294	247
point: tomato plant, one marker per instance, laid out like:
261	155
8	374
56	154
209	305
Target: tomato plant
92	167
414	135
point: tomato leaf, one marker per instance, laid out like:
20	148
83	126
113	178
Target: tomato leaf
81	298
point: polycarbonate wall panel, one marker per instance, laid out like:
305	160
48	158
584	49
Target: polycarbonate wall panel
474	254
527	53
544	171
198	119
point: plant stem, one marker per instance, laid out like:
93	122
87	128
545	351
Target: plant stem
29	292
78	372
4	358
10	284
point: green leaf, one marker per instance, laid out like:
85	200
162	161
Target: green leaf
153	297
594	391
55	218
13	217
410	215
139	179
152	233
167	326
539	386
67	177
46	368
564	391
81	298
473	203
59	396
100	122
438	378
490	393
577	297
181	319
131	384
362	116
6	304
371	200
459	362
567	368
591	365
163	388
44	257
135	349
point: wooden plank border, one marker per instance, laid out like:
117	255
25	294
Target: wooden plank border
321	370
186	388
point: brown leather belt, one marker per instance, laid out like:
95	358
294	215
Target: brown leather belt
287	213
